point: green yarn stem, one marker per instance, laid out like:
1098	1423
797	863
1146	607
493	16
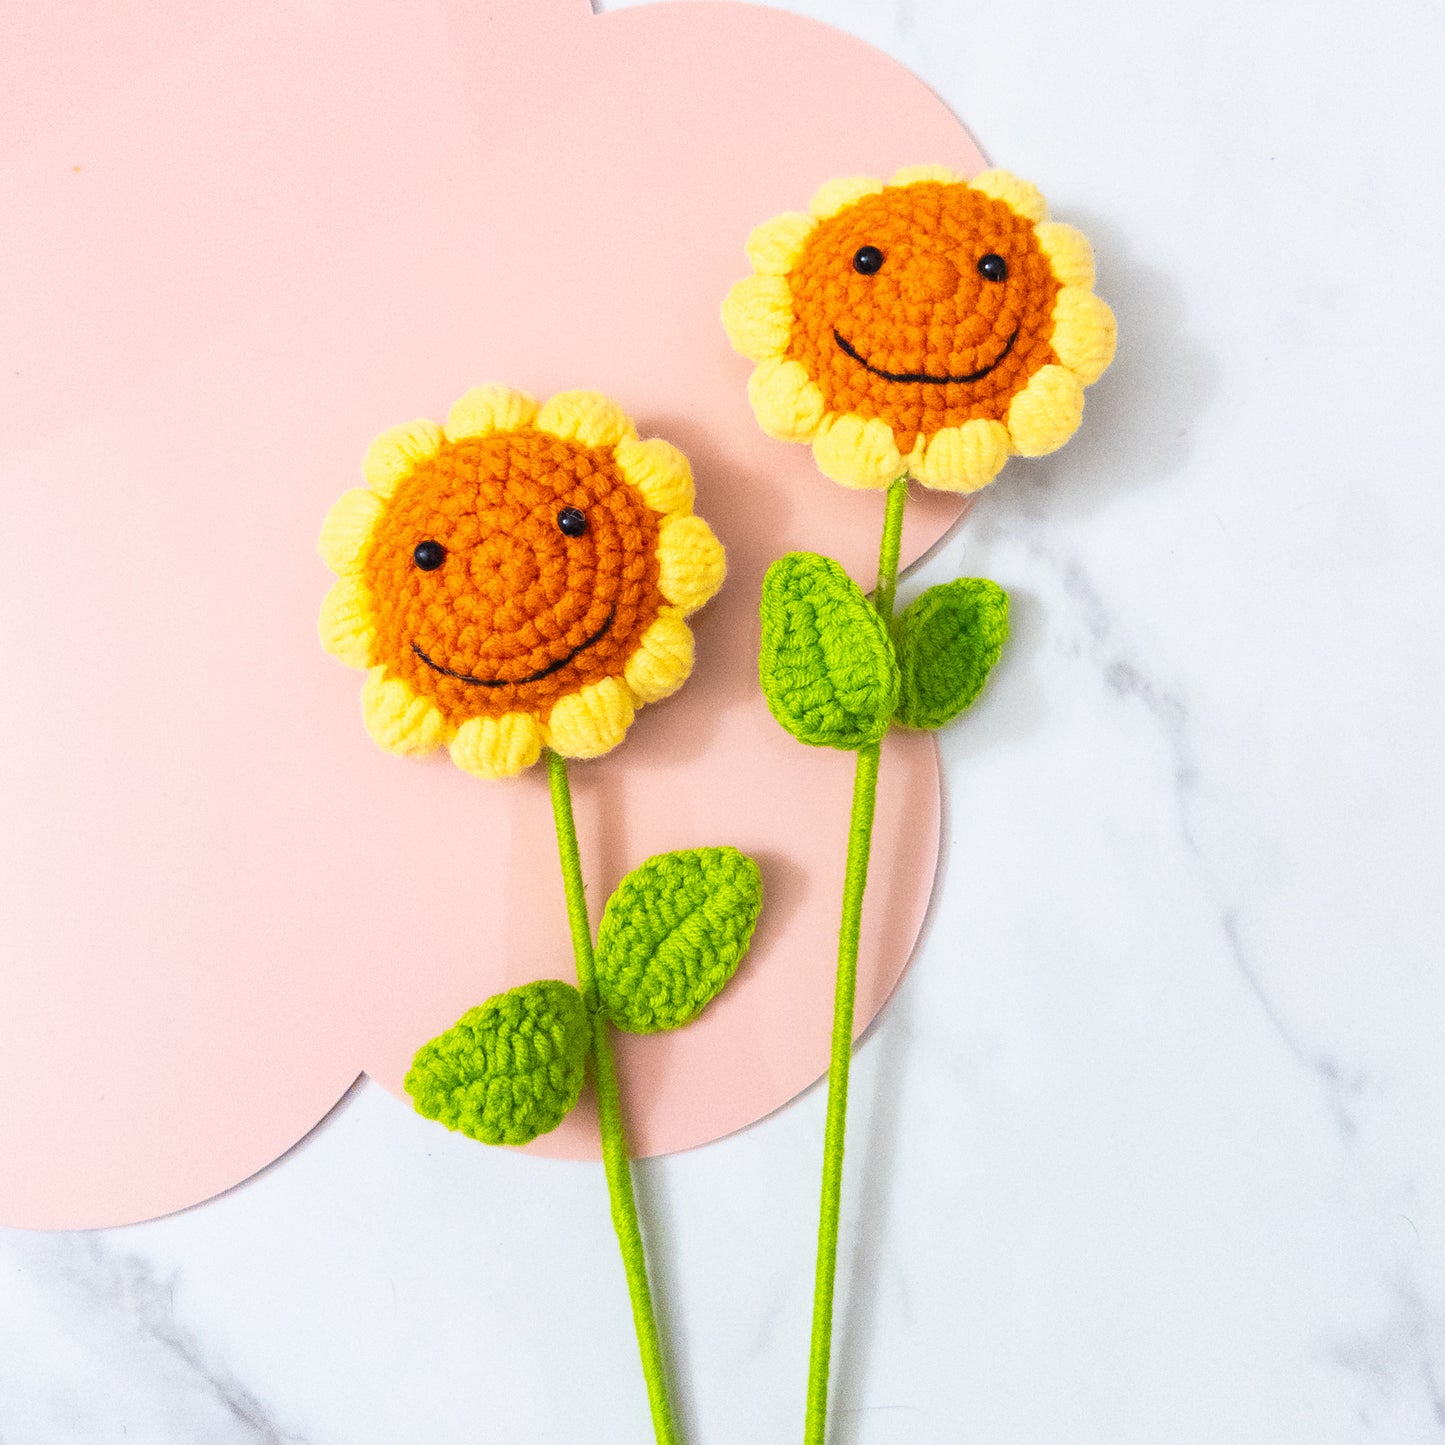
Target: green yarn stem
855	880
609	1115
889	548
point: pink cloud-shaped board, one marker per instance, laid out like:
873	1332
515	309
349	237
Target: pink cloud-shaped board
240	240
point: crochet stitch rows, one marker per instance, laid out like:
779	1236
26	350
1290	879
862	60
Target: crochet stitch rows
517	579
522	611
672	935
508	1070
929	327
926	311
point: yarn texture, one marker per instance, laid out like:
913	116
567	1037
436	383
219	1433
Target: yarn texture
948	641
926	328
507	1071
931	326
673	934
826	663
516	579
609	1112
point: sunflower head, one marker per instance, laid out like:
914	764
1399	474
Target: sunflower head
930	326
515	579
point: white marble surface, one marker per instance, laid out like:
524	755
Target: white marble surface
1148	1150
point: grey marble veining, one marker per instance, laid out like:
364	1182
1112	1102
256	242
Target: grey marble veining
116	1310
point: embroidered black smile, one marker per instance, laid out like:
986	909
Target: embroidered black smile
844	346
517	681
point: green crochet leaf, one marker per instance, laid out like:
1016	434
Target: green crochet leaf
826	665
509	1070
948	641
673	934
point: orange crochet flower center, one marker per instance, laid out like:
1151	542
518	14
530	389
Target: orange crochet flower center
518	613
927	340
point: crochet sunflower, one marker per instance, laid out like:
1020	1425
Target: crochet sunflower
924	329
515	579
931	326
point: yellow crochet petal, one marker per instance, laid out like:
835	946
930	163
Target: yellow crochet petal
397	452
914	460
1084	333
663	658
758	316
592	720
858	453
1047	412
786	401
397	718
1071	257
487	409
912	175
834	196
347	530
346	626
964	458
659	471
497	747
586	417
1021	197
774	246
691	563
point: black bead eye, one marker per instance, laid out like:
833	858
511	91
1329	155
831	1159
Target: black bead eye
429	555
867	260
571	521
992	267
